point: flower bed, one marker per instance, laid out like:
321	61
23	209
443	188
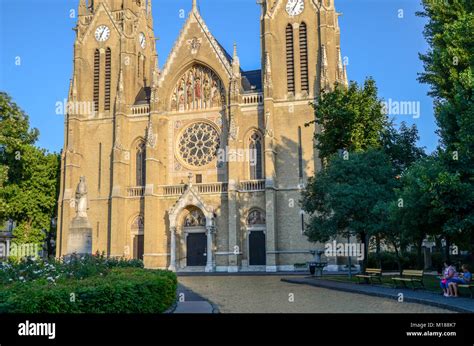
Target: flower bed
85	285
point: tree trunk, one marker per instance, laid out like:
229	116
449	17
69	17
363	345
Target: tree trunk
419	254
399	260
447	248
377	251
364	240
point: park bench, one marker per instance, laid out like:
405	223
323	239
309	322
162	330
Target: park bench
468	286
370	274
412	276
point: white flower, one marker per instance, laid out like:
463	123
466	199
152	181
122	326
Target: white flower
21	278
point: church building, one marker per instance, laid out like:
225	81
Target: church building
197	165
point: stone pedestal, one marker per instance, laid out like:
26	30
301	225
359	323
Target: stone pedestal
80	237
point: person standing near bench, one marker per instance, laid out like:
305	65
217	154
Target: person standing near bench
448	274
463	279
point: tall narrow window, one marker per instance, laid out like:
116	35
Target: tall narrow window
96	79
139	65
290	59
141	164
304	57
302	222
300	154
256	164
100	166
108	71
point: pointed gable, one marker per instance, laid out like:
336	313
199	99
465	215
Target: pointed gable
189	197
195	41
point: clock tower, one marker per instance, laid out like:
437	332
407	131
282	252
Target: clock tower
115	60
300	59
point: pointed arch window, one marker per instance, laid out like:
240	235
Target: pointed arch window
304	57
290	59
96	79
141	164
256	162
108	72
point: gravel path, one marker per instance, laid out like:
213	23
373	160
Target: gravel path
267	294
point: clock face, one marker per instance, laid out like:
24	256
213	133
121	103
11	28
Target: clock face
102	33
142	40
295	7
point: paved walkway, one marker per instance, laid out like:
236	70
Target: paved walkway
190	302
269	294
409	295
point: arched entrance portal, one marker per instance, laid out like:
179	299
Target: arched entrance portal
194	229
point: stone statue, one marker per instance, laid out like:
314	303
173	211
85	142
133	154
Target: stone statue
81	198
80	230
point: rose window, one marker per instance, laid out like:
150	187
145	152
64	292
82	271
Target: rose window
198	144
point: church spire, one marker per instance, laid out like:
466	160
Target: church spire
268	71
148	8
324	69
235	62
340	67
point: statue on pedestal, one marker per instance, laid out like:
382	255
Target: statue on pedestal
80	230
81	198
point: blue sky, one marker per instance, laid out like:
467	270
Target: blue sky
381	38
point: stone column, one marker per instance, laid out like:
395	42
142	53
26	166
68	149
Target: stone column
8	248
210	252
172	266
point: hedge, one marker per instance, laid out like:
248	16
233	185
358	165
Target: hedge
122	290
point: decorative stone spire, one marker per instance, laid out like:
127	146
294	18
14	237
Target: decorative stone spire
235	62
195	8
268	72
120	100
149	11
154	88
83	9
74	89
70	90
324	69
340	67
346	80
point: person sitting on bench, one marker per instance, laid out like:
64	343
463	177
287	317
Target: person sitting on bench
448	274
463	279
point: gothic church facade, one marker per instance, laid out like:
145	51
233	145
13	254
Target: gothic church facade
199	165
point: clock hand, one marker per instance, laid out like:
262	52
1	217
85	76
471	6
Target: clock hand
295	6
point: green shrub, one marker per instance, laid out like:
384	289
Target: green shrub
390	262
78	267
122	290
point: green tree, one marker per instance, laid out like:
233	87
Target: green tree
401	146
413	212
449	66
350	118
343	199
29	175
14	135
